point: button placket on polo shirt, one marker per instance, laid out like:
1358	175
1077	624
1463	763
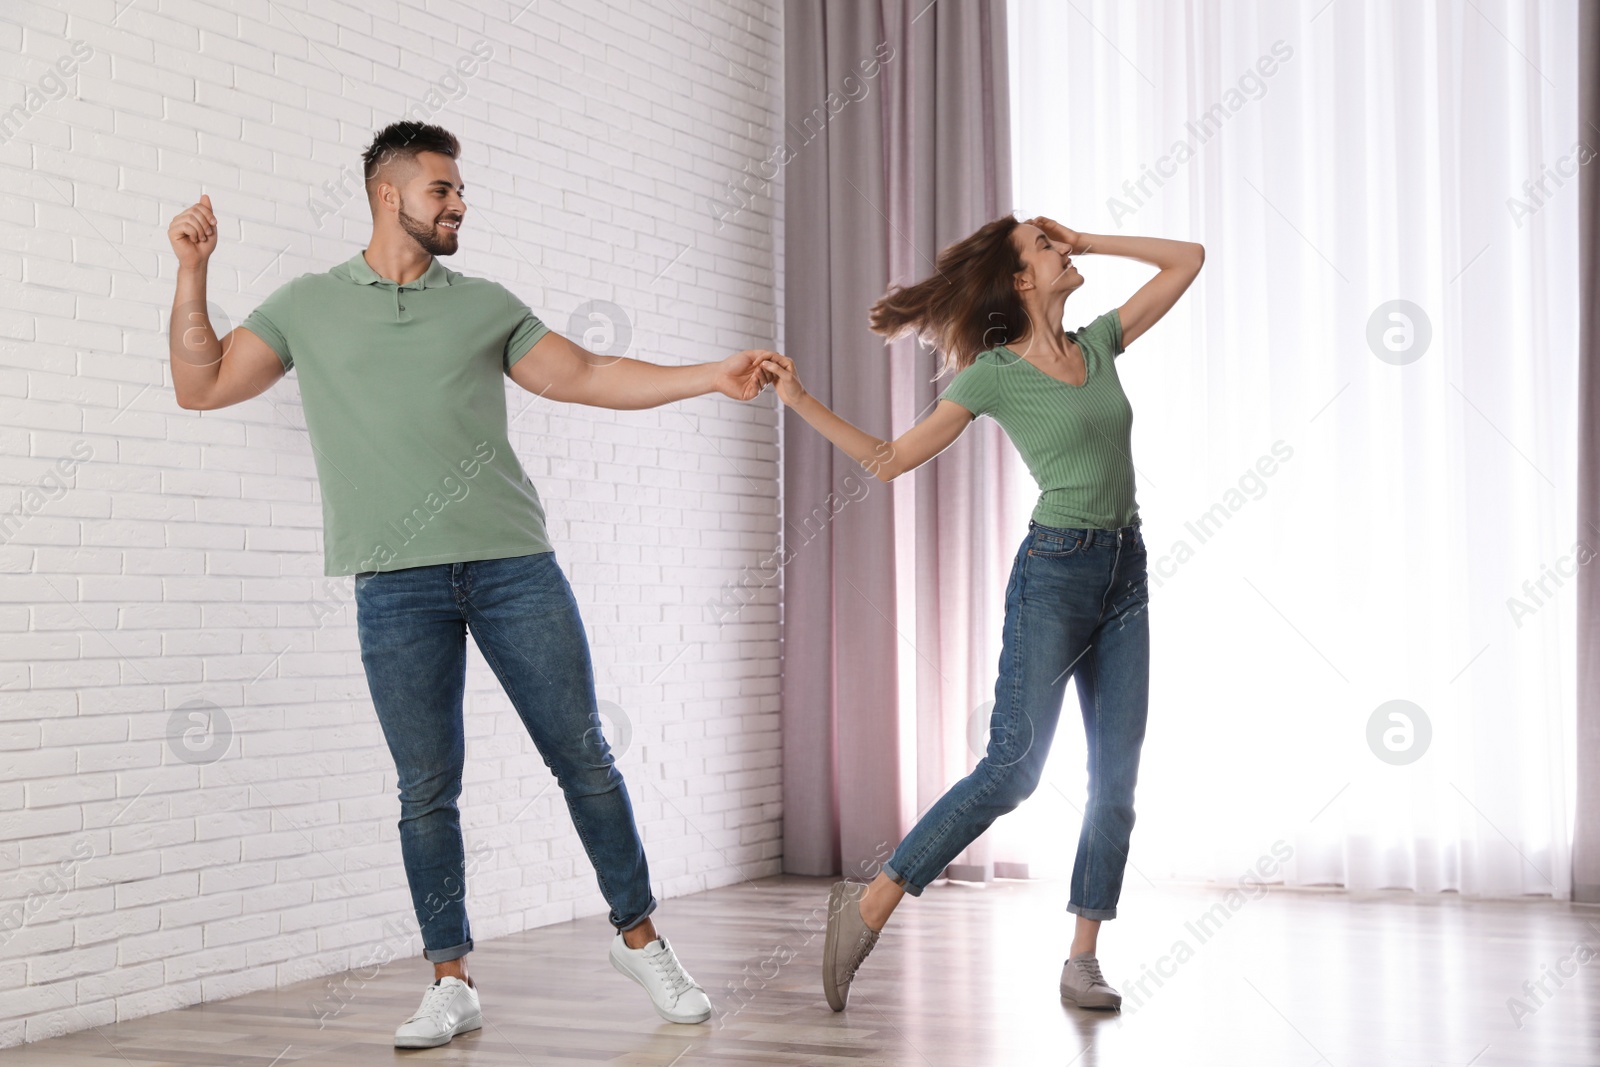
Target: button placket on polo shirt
400	312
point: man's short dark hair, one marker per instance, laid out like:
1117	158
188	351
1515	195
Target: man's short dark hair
401	141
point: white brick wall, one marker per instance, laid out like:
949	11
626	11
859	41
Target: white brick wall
175	557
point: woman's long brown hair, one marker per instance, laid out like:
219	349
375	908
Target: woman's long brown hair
969	305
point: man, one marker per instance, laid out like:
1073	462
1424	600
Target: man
400	362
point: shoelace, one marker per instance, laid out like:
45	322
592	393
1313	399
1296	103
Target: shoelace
435	1004
672	973
1091	971
864	943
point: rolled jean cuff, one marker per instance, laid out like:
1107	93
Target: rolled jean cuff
643	915
900	880
445	955
1100	914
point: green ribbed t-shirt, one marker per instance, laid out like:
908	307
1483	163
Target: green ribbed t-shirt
405	401
1076	440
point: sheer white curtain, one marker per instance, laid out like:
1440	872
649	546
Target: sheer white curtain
1347	501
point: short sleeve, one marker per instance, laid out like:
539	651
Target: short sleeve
974	388
525	333
270	322
1106	331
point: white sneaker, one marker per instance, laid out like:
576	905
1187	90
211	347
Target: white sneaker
678	998
449	1007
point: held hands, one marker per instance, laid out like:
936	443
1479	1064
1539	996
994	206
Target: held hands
743	375
1057	232
193	234
779	370
740	376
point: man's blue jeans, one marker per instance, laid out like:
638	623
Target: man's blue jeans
1077	605
413	625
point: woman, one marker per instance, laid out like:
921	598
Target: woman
1077	602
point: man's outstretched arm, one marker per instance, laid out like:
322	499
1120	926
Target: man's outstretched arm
557	368
208	371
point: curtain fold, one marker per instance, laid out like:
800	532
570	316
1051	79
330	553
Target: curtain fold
1586	833
898	126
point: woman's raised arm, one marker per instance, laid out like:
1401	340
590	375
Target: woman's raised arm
1180	263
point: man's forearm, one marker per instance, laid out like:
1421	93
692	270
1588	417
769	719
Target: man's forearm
630	384
194	349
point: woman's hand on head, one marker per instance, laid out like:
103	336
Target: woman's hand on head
1057	232
779	370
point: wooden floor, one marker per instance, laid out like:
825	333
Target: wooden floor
964	976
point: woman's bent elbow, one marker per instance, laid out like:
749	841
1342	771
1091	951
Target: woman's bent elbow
886	468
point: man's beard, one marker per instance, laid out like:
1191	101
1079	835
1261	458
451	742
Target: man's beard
434	241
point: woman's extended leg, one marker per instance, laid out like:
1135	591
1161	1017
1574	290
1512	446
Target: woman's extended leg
1054	602
1053	605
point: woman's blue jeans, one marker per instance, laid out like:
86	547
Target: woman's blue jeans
413	625
1077	605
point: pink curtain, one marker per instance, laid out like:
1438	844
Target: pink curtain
898	144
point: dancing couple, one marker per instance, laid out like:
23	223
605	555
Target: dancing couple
401	364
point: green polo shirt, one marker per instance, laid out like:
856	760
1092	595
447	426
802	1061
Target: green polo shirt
404	394
1077	440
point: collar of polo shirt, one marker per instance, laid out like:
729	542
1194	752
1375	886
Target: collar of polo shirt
434	277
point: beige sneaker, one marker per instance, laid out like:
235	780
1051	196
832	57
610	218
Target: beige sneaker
847	943
1083	984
